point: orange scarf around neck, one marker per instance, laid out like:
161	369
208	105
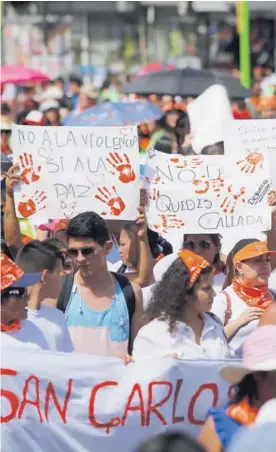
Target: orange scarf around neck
243	413
258	297
14	326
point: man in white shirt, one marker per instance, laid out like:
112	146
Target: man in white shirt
46	259
15	329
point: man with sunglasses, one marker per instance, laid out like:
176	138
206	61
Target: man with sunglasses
103	310
47	260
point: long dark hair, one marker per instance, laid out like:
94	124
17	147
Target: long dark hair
230	270
171	294
247	388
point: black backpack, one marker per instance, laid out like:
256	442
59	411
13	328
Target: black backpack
124	283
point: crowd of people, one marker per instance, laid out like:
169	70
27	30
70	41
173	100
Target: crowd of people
115	289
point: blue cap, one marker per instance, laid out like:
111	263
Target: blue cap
28	279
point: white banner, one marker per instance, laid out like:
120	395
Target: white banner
207	114
193	194
250	140
69	402
69	170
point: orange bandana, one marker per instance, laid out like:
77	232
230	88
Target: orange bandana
14	326
243	413
194	263
10	272
258	297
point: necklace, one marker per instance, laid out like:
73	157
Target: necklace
114	296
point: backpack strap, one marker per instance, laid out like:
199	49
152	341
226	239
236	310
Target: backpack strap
228	314
127	289
65	294
128	292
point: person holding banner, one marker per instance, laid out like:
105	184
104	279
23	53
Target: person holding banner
254	382
103	310
178	315
246	295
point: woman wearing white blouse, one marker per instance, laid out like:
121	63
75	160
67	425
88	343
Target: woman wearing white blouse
179	322
247	295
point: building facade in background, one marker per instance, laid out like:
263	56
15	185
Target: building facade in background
96	37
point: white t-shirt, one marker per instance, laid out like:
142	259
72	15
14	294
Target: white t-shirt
51	321
154	339
219	308
44	330
29	335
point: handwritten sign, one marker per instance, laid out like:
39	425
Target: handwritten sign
68	170
250	140
193	195
207	114
66	402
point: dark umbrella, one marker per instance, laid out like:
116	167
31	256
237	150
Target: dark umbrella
185	82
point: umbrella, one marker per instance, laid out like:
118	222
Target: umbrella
185	82
115	114
12	73
154	67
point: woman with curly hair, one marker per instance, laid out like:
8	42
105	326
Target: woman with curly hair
178	318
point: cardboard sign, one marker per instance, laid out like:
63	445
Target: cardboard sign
70	402
250	140
69	170
193	195
207	114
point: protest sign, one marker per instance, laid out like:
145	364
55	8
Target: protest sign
192	194
68	170
207	114
71	402
250	140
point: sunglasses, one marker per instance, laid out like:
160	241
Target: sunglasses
203	244
86	251
14	292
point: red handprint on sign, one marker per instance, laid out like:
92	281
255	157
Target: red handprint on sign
33	205
112	200
193	163
251	162
168	222
28	173
229	203
205	185
122	166
202	184
154	195
179	163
